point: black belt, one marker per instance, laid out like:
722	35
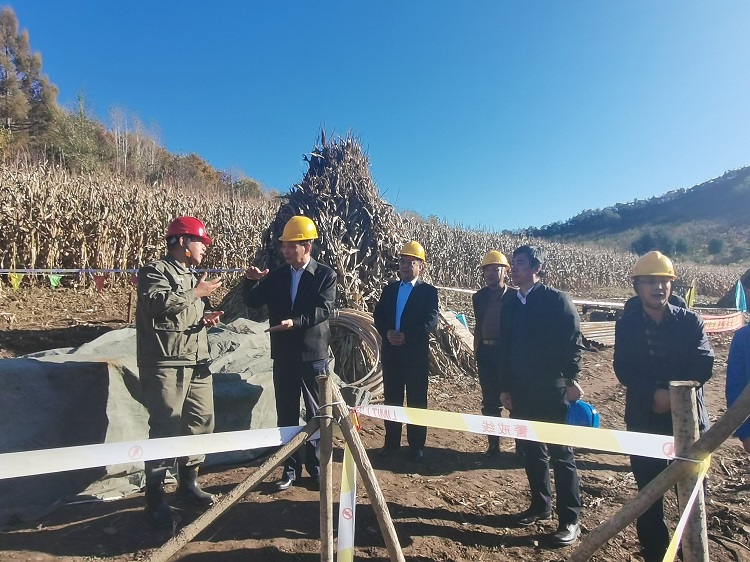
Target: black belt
489	342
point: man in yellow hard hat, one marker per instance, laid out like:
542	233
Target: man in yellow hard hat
541	360
172	318
488	303
300	297
405	315
634	302
655	343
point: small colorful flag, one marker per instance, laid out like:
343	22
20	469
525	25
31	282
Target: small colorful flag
15	280
740	298
54	280
690	296
355	420
99	281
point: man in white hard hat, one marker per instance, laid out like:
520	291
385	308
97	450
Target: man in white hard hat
404	317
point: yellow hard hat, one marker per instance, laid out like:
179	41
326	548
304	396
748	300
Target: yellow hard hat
493	257
298	229
413	249
654	263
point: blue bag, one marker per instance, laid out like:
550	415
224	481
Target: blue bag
583	414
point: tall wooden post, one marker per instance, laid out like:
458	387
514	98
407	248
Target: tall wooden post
325	414
130	307
708	442
362	461
685	423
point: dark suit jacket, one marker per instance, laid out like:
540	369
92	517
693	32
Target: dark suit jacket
313	305
419	318
689	358
554	345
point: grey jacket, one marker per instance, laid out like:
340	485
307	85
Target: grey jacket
169	331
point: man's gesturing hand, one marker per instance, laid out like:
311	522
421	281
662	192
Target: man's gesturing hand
254	273
206	286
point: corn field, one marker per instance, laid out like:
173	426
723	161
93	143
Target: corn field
454	255
52	219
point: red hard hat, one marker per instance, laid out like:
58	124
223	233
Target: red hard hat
191	226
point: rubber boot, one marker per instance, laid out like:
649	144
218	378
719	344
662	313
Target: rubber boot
188	488
158	512
493	445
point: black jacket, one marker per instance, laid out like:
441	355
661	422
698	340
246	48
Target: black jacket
690	358
554	344
309	338
419	318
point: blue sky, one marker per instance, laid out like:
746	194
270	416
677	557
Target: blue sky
493	114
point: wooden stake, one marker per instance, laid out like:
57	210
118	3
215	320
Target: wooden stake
362	461
685	423
130	307
709	442
190	531
325	418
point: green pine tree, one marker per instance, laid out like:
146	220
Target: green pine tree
27	97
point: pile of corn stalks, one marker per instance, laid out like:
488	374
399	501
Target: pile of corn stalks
360	234
359	237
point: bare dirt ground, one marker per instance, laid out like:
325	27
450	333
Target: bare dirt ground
454	506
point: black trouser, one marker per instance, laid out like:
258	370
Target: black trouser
400	376
653	532
546	404
290	377
488	363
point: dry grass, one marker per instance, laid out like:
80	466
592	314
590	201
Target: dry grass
100	221
53	219
454	255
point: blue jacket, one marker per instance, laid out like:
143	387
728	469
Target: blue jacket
690	358
738	373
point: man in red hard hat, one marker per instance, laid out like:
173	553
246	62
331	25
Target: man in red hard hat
172	316
300	296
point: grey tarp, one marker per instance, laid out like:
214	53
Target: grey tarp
91	394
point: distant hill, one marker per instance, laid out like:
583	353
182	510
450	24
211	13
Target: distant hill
709	222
